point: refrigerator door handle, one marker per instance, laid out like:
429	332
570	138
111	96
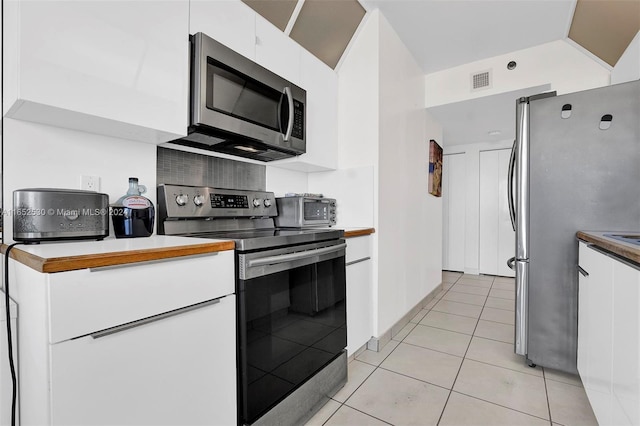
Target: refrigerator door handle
510	263
512	209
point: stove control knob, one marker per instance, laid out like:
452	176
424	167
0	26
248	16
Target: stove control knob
267	202
182	200
198	200
257	202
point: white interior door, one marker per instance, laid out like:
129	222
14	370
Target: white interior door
497	238
453	213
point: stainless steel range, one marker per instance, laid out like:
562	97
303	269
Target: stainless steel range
291	295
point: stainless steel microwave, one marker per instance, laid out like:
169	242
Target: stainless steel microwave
241	108
302	212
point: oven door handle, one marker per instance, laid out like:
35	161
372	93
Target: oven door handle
289	257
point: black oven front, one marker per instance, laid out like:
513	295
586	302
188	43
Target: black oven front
291	320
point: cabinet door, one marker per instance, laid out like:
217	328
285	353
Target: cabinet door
359	315
497	237
583	318
321	84
114	68
626	345
597	316
453	212
176	370
276	51
230	22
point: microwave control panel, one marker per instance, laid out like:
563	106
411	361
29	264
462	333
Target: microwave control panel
298	120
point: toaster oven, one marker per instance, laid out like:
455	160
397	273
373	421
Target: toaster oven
305	212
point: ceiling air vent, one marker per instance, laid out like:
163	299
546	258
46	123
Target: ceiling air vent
481	80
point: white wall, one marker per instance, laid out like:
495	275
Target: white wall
558	63
410	219
383	125
281	181
628	66
472	202
353	190
41	156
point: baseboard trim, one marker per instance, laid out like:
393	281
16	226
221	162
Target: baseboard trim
377	343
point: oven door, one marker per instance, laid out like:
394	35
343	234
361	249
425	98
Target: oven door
291	320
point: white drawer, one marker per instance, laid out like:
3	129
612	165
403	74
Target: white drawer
358	248
88	300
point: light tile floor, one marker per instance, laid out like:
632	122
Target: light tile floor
453	364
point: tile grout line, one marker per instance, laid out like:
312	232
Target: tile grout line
503	406
546	393
460	368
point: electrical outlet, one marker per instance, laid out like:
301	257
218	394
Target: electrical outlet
90	183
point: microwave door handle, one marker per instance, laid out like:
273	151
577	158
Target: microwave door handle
287	93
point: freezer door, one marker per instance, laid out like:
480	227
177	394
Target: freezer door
522	305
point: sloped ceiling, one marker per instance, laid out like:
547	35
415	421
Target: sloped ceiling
323	27
278	12
605	28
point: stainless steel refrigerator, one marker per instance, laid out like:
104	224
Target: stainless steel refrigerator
575	166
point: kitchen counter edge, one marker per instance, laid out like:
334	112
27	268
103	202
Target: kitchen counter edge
358	232
623	250
126	255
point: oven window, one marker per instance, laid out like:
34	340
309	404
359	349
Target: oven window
237	95
291	324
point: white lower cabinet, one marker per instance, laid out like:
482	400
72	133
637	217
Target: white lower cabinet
151	343
609	336
359	293
595	321
166	372
626	345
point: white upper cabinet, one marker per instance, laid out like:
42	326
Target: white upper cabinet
114	68
321	84
277	52
230	22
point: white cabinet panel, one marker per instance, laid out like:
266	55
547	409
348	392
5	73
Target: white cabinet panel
453	211
321	84
167	372
506	234
583	317
277	52
116	68
497	238
626	345
359	293
596	314
489	201
358	248
112	296
230	22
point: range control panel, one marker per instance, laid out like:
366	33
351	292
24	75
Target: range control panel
178	201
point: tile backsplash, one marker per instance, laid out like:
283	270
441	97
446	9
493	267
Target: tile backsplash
186	168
